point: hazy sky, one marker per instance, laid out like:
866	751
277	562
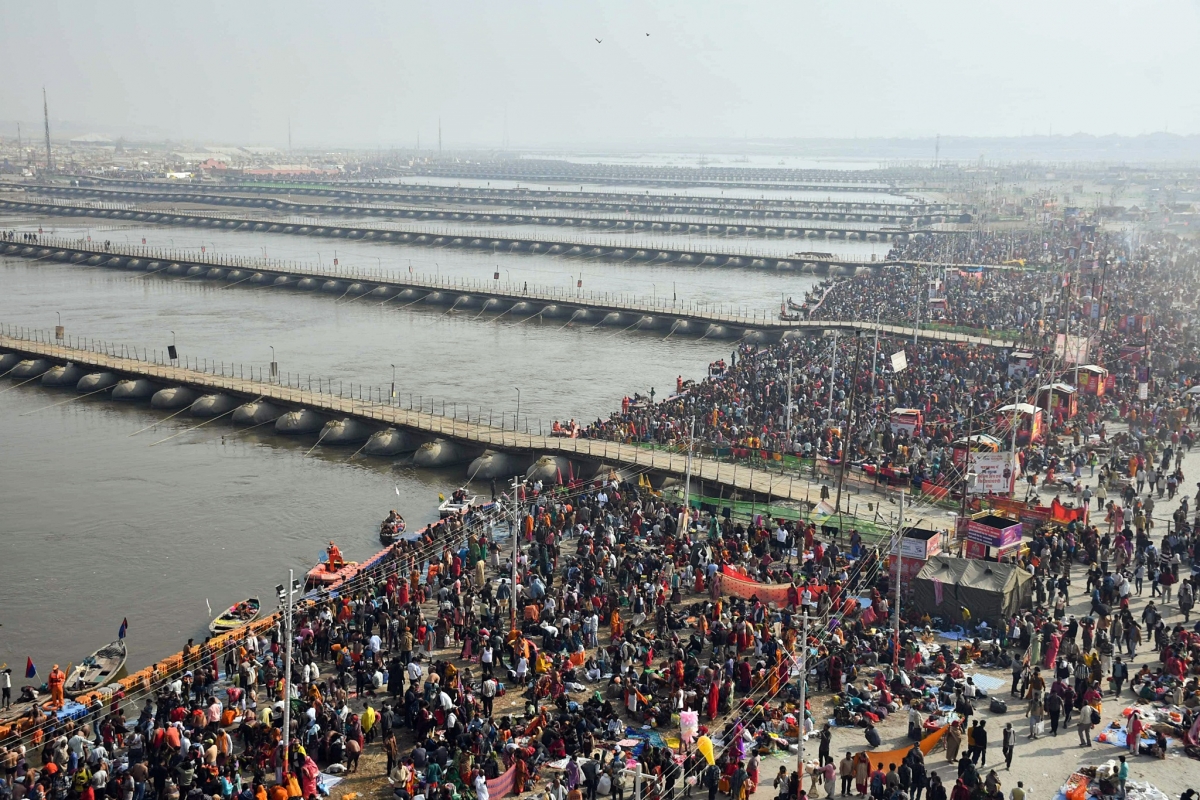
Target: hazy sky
376	73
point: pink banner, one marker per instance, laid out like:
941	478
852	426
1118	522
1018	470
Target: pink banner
499	787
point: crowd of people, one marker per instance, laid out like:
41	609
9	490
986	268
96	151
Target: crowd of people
570	662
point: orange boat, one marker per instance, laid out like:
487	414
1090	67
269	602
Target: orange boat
332	570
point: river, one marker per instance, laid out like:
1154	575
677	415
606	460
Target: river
104	521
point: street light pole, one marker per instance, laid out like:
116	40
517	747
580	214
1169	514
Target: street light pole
803	694
285	599
517	421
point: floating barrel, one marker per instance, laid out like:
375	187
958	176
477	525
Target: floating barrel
195	270
554	469
497	466
442	453
612	318
64	375
134	389
259	277
176	269
328	286
309	284
96	381
8	361
95	261
717	332
173	397
300	421
257	412
135	264
216	273
283	280
390	442
681	326
29	368
213	405
554	311
385	291
346	431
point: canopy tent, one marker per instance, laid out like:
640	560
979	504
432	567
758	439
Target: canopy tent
989	590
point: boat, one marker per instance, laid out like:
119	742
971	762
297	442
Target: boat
790	317
794	306
236	616
391	529
331	570
459	503
99	669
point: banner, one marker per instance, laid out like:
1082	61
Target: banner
744	587
994	473
1072	349
503	785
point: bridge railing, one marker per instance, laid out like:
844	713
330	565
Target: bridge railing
466	421
511	290
730	217
728	314
502	238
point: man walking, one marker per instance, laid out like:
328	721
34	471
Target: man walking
1008	745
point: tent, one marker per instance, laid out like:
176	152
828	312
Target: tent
990	590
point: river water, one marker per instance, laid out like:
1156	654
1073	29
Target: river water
103	520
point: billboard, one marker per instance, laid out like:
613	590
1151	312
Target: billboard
994	473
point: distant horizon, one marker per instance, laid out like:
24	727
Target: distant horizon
1158	146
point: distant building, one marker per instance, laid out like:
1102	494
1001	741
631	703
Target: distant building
92	140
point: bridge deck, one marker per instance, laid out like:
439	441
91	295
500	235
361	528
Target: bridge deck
732	476
600	302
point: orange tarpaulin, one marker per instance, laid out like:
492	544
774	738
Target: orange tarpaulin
741	586
1062	514
886	757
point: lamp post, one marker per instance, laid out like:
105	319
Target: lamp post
517	421
285	601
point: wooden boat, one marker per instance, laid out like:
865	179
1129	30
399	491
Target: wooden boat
794	306
99	669
789	317
391	532
236	616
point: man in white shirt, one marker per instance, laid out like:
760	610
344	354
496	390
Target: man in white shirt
414	673
488	694
486	660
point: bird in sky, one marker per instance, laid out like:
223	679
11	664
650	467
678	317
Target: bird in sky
598	41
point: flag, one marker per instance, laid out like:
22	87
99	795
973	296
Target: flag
30	669
124	628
